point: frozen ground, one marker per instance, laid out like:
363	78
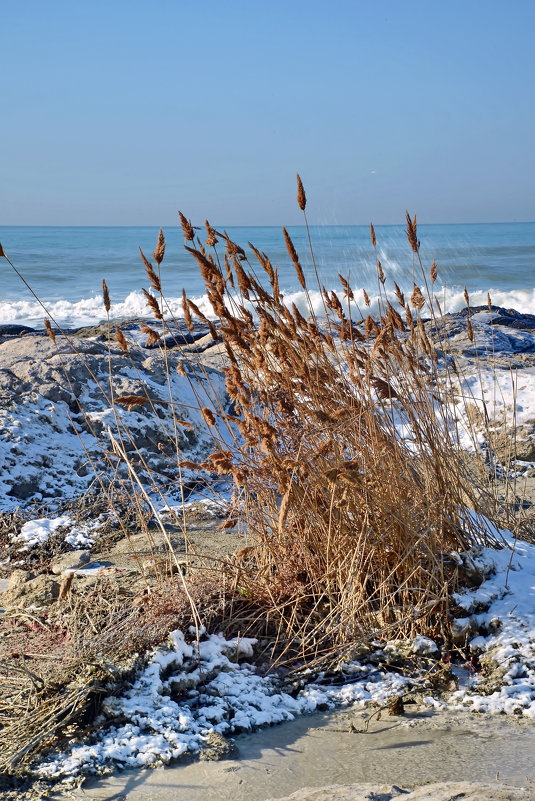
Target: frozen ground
56	416
187	691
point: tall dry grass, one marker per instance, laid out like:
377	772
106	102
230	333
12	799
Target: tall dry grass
347	469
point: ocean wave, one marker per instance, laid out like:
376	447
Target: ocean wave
89	311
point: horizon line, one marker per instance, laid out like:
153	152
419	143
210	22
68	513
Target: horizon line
249	225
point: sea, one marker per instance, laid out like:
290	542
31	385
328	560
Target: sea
64	266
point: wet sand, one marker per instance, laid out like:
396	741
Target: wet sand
318	750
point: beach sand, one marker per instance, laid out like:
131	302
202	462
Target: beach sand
318	750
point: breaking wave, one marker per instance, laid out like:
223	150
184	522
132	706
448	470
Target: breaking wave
89	311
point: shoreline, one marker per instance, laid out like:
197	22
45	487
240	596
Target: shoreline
32	377
319	750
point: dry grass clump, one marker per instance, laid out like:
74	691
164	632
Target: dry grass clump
348	477
55	668
351	523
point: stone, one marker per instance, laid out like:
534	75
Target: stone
217	747
70	561
26	592
448	791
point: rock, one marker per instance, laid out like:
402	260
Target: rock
449	791
217	747
55	413
18	578
24	591
424	646
70	561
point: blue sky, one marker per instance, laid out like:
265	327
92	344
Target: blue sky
121	112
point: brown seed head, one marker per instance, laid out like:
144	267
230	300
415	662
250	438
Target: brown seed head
121	340
211	238
372	234
489	302
153	278
466	297
205	265
399	295
186	311
2	253
106	295
144	259
159	250
49	330
366	297
417	299
301	196
208	416
370	327
433	272
152	303
187	228
229	277
412	235
233	249
348	292
131	401
469	330
152	336
380	272
408	316
295	258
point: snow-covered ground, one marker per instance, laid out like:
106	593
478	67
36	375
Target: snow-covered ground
186	690
56	417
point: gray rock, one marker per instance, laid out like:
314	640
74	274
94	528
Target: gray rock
217	747
55	412
449	791
24	591
70	561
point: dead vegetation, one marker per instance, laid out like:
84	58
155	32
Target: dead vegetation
348	477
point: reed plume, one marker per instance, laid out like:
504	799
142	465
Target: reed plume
301	196
49	330
131	401
412	235
295	258
211	235
152	303
106	295
152	336
399	295
187	228
159	250
466	297
121	340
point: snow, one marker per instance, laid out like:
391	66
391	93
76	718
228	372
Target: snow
502	610
188	689
38	531
47	450
424	646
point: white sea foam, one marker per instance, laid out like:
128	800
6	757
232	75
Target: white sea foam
88	311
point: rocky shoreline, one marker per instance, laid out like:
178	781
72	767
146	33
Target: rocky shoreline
57	413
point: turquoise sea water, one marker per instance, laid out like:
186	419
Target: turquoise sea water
65	265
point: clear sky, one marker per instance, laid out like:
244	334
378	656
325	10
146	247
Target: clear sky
119	112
